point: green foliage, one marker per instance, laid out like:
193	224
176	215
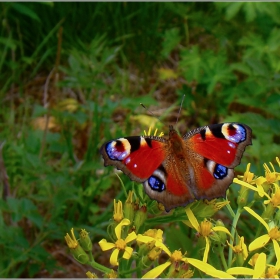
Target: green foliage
73	67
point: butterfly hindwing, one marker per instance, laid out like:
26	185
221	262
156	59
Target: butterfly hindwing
168	186
220	148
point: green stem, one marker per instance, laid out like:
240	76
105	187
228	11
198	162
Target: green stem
99	267
233	231
90	256
222	256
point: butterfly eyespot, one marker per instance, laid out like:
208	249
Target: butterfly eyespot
156	184
220	171
234	132
118	150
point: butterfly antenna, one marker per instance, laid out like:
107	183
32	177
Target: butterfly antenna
150	112
180	109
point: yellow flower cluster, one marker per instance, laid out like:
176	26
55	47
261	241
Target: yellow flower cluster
248	246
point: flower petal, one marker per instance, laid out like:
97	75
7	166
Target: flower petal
259	190
127	252
260	265
114	257
258	217
276	250
223	229
160	245
206	251
159	234
106	245
155	272
219	274
259	242
144	238
130	237
192	218
208	269
239	270
118	228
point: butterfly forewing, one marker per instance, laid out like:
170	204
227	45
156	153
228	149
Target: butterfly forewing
137	156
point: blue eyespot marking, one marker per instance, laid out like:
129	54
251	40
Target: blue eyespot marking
116	151
156	184
220	171
236	133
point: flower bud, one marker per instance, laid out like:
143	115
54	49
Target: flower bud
85	241
75	248
111	275
151	256
242	197
129	207
118	212
91	275
140	217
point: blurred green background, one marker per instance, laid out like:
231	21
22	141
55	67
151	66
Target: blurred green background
72	76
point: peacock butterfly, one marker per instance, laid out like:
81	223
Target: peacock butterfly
179	170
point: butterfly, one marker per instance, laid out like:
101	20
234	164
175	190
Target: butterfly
177	170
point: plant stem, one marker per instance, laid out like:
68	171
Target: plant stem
233	231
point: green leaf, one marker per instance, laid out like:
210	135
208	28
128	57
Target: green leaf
171	40
241	67
191	63
232	9
23	9
258	67
250	10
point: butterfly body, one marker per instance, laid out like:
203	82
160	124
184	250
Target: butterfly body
179	170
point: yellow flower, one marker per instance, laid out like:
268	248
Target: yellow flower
111	275
204	229
155	133
271	176
273	234
71	241
248	176
91	275
261	269
118	212
176	257
120	244
275	198
153	236
75	248
257	272
272	272
259	189
240	250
